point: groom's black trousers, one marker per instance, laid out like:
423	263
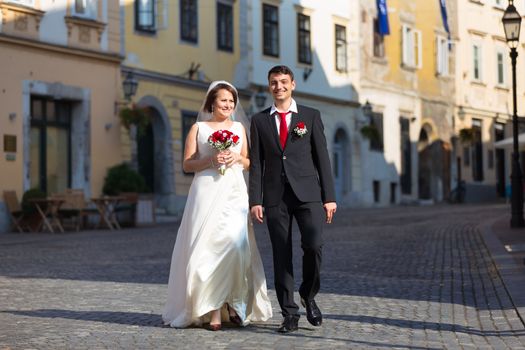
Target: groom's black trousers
310	217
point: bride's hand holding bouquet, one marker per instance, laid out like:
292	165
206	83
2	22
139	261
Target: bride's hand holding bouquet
222	140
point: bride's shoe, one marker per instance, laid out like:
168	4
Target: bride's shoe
214	327
235	319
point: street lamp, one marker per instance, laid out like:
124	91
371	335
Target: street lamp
511	24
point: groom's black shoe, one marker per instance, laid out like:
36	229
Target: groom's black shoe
290	324
313	314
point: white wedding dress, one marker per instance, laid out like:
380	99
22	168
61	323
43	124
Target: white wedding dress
215	259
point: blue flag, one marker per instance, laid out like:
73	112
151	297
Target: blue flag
443	6
382	16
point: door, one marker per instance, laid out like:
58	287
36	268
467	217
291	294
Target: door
50	145
146	156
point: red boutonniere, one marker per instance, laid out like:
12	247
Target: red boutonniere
300	129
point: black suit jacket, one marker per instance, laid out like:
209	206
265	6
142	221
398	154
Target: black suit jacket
304	162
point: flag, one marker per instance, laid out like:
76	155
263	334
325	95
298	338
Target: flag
443	6
382	16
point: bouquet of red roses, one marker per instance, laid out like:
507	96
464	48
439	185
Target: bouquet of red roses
221	140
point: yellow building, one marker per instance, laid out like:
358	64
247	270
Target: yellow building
174	49
59	65
407	80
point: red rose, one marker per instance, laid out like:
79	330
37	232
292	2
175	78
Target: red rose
300	125
235	139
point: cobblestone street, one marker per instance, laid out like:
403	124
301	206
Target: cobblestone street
396	278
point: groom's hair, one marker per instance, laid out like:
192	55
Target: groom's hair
280	70
212	95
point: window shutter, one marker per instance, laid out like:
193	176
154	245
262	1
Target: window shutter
161	13
91	9
405	44
439	62
418	52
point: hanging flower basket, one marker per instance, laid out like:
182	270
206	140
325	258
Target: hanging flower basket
467	135
140	117
371	132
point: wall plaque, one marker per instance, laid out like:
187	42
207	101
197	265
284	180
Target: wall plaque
10	143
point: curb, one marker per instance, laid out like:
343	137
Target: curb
511	273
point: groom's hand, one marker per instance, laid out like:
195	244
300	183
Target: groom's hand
257	213
330	209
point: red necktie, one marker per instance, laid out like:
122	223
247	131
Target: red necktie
283	128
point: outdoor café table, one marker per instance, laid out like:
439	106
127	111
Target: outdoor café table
106	206
48	210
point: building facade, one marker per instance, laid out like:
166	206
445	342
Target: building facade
408	83
60	66
319	42
174	49
483	99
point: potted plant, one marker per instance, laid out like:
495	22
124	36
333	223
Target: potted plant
138	117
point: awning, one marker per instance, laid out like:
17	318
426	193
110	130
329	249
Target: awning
508	142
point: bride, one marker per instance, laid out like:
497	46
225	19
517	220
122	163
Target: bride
216	271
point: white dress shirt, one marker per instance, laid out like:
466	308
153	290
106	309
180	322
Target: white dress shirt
274	110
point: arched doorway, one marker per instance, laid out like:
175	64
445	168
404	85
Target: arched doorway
434	165
155	155
425	164
340	164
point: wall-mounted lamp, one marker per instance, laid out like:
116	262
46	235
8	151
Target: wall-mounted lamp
367	109
129	86
461	113
12	116
108	126
363	118
306	73
260	98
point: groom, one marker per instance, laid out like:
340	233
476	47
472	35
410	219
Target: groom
290	176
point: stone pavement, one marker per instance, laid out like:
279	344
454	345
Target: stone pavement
396	278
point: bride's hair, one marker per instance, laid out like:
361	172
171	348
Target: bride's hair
212	95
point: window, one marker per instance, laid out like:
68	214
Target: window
188	119
499	3
85	8
376	143
379	41
377	190
477	151
304	46
224	27
393	189
50	145
23	2
501	68
406	156
442	56
270	30
188	21
411	47
476	62
145	15
340	48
